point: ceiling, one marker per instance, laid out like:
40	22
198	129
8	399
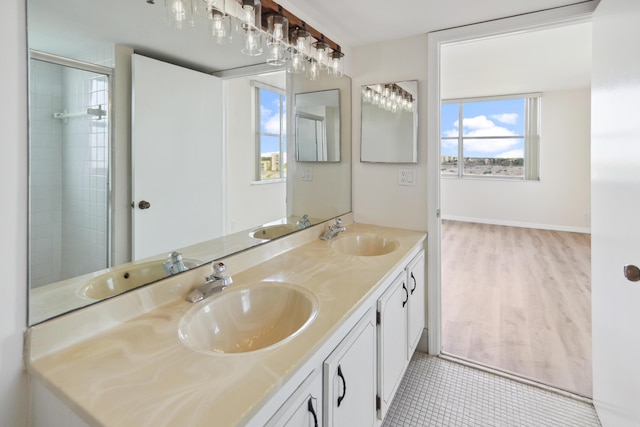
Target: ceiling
65	27
558	58
359	22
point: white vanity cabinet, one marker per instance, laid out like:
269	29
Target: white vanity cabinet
304	407
400	320
417	302
350	378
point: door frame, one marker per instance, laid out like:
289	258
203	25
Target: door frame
573	14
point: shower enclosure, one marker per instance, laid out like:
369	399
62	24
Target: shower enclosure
69	168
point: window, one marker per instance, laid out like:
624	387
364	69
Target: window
499	137
271	137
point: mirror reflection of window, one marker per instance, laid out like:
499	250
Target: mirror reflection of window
272	137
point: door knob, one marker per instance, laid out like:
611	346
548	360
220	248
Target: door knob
632	273
144	204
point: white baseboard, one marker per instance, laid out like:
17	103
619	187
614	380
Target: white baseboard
584	230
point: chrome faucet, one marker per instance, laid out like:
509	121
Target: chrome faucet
333	230
304	222
215	282
174	264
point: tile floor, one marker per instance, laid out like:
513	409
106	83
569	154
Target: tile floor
438	392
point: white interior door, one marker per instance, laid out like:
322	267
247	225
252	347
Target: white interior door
615	198
177	157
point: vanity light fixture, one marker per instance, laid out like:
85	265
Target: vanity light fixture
389	97
258	19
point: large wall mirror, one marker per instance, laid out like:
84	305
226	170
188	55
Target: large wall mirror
318	126
389	123
115	143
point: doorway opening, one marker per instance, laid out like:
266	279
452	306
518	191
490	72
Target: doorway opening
511	287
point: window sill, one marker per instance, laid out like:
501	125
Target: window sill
490	178
269	181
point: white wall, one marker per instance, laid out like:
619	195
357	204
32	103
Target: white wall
248	204
377	197
13	193
560	200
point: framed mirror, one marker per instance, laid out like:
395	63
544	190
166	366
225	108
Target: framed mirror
318	126
389	131
81	247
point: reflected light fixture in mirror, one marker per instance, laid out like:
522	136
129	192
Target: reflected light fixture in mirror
389	132
220	31
180	13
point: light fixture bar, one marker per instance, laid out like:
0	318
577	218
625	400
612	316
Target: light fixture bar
270	6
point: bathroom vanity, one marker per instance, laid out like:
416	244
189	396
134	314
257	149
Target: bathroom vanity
340	321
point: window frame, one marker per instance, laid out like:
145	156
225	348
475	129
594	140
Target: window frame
256	87
531	137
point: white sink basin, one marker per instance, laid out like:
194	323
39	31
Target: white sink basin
125	278
247	319
273	231
364	245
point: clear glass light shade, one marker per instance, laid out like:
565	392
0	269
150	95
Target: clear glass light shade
204	7
335	63
251	42
367	95
322	53
278	30
180	13
301	39
251	13
220	30
277	54
386	92
375	99
314	70
296	64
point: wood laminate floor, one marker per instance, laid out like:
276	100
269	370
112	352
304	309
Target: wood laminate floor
519	300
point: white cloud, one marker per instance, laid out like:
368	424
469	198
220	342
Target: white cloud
481	126
478	122
506	118
513	154
270	120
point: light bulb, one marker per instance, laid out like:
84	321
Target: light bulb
248	16
314	70
375	99
252	45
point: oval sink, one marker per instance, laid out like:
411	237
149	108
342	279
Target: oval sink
126	278
248	319
364	245
273	231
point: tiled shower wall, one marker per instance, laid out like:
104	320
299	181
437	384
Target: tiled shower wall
69	172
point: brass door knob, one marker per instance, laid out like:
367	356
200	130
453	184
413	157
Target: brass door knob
632	273
144	204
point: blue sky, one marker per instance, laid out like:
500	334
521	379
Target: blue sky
485	118
270	120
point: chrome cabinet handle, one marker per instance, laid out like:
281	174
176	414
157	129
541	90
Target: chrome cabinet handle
632	273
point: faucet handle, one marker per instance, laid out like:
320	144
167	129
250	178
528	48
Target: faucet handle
217	268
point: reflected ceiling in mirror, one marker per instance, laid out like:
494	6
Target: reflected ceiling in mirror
93	31
318	126
389	122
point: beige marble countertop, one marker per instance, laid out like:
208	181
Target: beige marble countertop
137	372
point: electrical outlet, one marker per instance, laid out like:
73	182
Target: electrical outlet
407	177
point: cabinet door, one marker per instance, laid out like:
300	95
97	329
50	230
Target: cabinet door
350	378
416	310
304	407
392	341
